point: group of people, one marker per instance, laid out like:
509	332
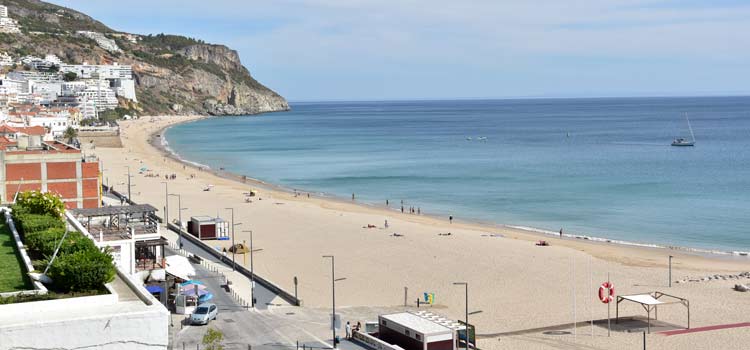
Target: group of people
349	329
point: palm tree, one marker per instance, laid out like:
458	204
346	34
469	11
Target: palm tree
70	134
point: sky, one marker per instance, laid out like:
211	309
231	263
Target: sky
321	50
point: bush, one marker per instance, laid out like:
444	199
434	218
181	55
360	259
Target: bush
82	271
45	242
27	223
36	202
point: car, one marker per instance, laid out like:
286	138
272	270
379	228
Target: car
204	313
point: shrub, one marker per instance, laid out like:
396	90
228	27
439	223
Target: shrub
27	223
36	202
45	242
82	271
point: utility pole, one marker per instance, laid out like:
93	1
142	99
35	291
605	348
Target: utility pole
179	215
252	272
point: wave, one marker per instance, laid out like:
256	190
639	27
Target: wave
629	243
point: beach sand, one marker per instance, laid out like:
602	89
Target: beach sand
516	285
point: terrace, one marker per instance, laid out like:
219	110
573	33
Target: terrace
117	223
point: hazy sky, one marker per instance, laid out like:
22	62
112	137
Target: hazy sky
401	49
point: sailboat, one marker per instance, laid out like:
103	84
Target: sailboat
681	141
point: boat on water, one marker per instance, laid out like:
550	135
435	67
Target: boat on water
683	142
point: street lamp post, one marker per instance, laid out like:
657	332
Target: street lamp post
166	203
466	324
252	272
179	216
234	248
333	297
129	176
670	271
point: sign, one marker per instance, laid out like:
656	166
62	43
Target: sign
429	298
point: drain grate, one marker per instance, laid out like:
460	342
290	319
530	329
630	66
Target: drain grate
228	320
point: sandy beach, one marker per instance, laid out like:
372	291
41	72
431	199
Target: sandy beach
517	285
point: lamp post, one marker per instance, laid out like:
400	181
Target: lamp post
129	176
466	324
166	203
179	215
252	272
234	248
670	271
333	297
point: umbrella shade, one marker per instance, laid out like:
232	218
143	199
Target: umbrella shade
144	169
154	289
205	297
191	292
191	282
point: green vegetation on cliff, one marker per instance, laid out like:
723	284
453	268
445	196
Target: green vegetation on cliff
173	74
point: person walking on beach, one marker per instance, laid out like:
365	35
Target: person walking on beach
386	203
402	209
419	211
386	223
348	330
560	232
352	196
450	219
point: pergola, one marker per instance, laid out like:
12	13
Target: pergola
651	302
140	217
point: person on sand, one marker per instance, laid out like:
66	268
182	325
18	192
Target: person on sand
348	330
352	196
386	224
450	219
560	232
386	203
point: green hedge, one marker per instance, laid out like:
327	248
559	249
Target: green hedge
46	241
27	223
82	270
80	265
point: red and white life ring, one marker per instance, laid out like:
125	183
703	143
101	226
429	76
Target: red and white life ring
607	292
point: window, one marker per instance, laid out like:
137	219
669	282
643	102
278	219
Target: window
419	337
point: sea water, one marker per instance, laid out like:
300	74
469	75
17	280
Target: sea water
596	167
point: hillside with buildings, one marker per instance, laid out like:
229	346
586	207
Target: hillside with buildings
55	57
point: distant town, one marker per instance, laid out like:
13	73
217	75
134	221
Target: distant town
57	96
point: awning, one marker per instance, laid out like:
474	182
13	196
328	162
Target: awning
180	267
154	289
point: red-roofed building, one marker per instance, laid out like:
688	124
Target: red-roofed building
28	163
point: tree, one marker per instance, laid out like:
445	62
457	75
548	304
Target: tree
212	340
70	76
70	134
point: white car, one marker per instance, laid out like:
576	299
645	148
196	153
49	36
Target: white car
204	313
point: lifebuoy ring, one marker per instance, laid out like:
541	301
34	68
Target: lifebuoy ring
607	292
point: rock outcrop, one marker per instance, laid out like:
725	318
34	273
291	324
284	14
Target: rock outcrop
173	74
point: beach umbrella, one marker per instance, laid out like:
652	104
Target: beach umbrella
192	292
191	282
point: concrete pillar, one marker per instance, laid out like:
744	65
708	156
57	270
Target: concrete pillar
79	184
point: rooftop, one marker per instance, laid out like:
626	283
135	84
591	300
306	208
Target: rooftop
423	322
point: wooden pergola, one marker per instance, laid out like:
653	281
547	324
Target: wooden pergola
650	302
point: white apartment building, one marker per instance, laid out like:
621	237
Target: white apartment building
101	71
55	125
12	86
5	59
7	24
103	99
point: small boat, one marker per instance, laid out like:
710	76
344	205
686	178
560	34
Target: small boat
482	138
681	141
468	138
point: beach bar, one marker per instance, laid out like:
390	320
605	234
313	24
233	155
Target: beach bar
650	302
207	227
418	331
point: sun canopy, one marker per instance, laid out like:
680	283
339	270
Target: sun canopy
650	302
180	267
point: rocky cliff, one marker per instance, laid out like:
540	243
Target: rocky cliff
174	74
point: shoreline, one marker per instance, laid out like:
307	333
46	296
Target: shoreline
161	144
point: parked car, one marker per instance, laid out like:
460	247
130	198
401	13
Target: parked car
204	313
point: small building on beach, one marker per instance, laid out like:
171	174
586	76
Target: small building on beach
418	331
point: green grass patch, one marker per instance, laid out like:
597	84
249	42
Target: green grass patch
12	274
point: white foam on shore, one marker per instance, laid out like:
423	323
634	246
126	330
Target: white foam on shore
165	146
629	243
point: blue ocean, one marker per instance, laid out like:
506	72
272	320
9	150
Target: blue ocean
597	167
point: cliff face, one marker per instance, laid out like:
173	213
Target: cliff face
173	74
